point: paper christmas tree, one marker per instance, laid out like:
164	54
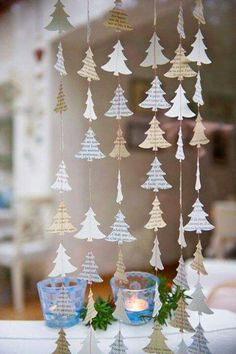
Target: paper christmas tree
197	263
181	239
198	301
61	184
59	20
157	343
64	304
197	98
118	18
61	105
155	179
90	150
181	316
116	63
119	107
61	222
200	342
119	196
88	70
154	138
155	97
181	278
180	68
120	230
180	107
89	271
62	264
199	138
120	269
198	219
118	346
180	151
62	344
90	230
155	261
91	311
182	348
89	112
198	53
180	24
120	313
198	12
60	66
90	345
198	179
156	221
157	302
154	54
119	151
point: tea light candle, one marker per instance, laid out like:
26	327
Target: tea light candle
135	304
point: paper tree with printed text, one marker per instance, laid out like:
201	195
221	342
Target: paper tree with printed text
62	263
91	311
120	230
118	18
197	263
119	151
199	344
180	144
199	137
61	105
154	53
89	112
88	70
155	97
157	344
59	20
182	348
198	302
90	344
64	304
180	107
180	66
62	344
120	313
90	150
198	219
89	270
118	346
155	261
119	107
156	180
60	66
154	138
181	317
61	184
156	221
90	230
61	222
120	269
181	277
157	302
116	63
180	24
198	53
197	97
198	12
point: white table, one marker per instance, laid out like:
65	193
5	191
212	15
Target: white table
21	337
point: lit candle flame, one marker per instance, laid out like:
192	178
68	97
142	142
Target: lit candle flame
134	304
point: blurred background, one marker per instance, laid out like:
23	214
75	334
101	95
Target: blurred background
29	145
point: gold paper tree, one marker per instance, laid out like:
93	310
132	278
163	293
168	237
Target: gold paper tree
154	138
156	221
118	18
120	269
61	103
180	319
197	263
88	70
157	343
119	149
61	222
62	344
199	138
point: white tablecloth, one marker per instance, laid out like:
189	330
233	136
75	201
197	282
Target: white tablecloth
33	337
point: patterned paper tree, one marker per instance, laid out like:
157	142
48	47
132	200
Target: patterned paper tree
61	105
59	20
182	348
60	66
180	151
154	138
157	302
90	345
155	179
198	219
197	98
120	313
180	107
197	263
199	138
180	24
90	150
154	53
62	264
200	342
181	316
118	346
155	261
91	311
119	151
64	304
61	222
88	70
61	184
89	112
198	302
62	344
181	277
89	270
90	230
118	18
119	107
157	344
120	269
155	97
198	12
116	63
198	53
156	221
120	230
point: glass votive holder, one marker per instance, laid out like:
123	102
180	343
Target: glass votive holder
138	295
62	300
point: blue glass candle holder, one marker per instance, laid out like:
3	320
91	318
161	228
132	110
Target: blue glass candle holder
138	296
49	289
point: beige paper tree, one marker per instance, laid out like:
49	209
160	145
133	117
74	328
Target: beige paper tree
61	105
181	316
197	263
199	138
88	70
198	12
119	151
156	221
62	344
154	138
118	18
120	269
157	343
61	222
91	311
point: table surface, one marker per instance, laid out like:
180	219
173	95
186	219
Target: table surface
21	337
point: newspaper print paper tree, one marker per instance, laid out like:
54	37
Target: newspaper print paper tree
62	264
198	12
155	261
156	221
199	344
157	302
198	302
90	150
61	222
64	304
60	21
62	344
155	97
157	344
120	269
118	18
120	313
90	230
181	316
60	66
91	311
120	230
89	111
180	150
198	53
181	277
118	346
197	263
180	107
61	105
90	345
198	219
119	107
199	138
61	184
154	138
119	151
89	270
88	70
116	63
154	53
156	180
180	24
197	98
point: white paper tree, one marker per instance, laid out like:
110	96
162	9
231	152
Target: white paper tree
90	230
89	112
182	348
181	239
154	138
156	179
118	346
64	304
120	269
180	24
198	178
156	221
199	344
120	313
89	270
116	63
60	66
198	219
59	20
119	151
197	263
91	311
180	107
197	98
180	319
88	70
155	97
198	302
199	138
157	302
61	184
198	53
181	277
119	196
90	345
62	264
180	150
90	150
154	54
198	12
120	230
157	344
119	107
155	261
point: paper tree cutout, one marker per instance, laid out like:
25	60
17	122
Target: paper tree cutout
197	98
120	269
198	219
120	313
116	63
181	316
180	68
200	342
180	25
120	230
62	344
181	278
89	271
61	184
62	264
198	180
180	151
198	12
88	70
199	138
156	221
197	263
181	239
118	346
119	107
182	348
154	54
90	230
64	304
60	66
180	107
89	112
155	179
118	18
157	302
198	303
198	53
90	344
119	196
119	151
154	138
155	261
61	222
90	150
59	20
91	311
155	97
157	343
61	105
